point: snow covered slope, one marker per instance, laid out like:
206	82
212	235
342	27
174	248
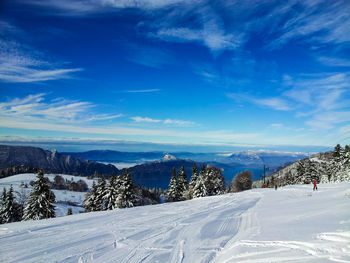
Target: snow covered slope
292	224
62	196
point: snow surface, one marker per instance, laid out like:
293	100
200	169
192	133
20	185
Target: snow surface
292	224
62	196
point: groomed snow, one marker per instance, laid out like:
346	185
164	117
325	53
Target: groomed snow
292	224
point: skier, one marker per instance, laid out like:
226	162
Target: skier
315	186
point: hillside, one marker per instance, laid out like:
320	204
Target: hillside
260	225
327	167
64	199
51	161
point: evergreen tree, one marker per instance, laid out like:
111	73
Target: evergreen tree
3	205
69	211
126	195
307	173
111	194
315	172
300	174
193	179
90	202
9	209
200	189
335	167
216	181
346	157
101	192
173	194
41	199
182	183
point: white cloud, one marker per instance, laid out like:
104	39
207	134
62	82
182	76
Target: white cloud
166	121
33	108
334	61
178	122
211	36
144	119
21	63
142	90
275	103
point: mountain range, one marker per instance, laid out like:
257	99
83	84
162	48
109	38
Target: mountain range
152	169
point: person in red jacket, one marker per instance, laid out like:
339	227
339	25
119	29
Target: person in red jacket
315	186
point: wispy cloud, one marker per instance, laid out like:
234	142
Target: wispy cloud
149	57
227	25
22	63
34	108
144	119
324	98
334	61
142	91
275	103
166	121
178	122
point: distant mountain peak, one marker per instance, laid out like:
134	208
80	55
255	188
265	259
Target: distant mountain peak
169	157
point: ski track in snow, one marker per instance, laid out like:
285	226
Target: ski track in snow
292	224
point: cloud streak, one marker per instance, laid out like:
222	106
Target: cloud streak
33	109
20	63
166	121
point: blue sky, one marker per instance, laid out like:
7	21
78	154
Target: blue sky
219	74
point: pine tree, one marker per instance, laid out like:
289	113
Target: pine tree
101	192
173	191
41	199
200	189
3	205
314	172
9	211
193	177
216	181
182	183
126	196
307	173
300	174
336	165
90	202
111	194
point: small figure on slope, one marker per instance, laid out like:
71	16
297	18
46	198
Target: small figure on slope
315	186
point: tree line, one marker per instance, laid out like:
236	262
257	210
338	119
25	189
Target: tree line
208	181
118	192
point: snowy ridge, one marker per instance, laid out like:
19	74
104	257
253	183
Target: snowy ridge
292	224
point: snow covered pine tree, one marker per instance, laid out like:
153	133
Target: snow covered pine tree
182	184
173	194
90	199
41	199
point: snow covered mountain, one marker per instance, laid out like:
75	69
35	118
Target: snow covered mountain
292	224
259	158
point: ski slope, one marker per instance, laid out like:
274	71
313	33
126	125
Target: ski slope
292	224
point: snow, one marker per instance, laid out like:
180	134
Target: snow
168	157
62	196
292	224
